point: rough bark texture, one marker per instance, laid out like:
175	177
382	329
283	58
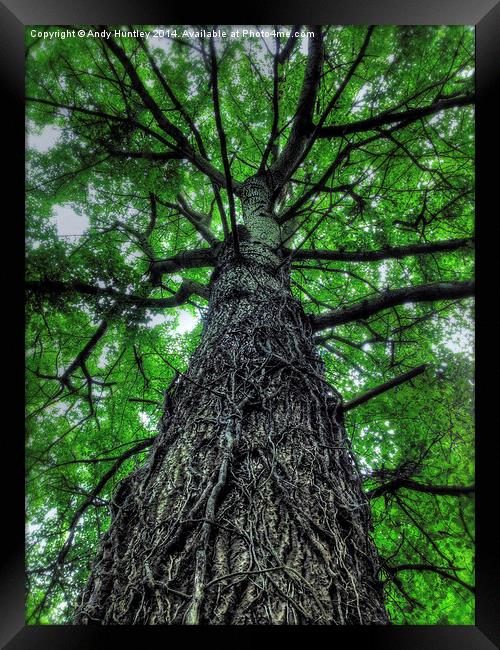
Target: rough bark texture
249	509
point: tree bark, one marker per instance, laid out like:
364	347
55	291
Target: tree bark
249	509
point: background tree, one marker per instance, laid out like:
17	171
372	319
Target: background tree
274	262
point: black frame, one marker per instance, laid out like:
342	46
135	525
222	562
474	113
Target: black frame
485	15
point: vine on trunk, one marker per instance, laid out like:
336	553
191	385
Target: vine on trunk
250	508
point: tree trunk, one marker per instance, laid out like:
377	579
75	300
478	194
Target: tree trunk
249	509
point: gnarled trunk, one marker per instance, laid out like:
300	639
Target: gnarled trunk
249	509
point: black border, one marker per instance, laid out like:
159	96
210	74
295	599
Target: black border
485	14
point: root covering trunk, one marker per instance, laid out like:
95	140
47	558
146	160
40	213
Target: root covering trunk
249	509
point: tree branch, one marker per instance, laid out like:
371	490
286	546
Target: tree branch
409	484
411	115
331	104
162	156
191	125
284	55
152	216
84	354
168	127
283	168
223	146
103	115
418	293
198	220
173	98
343	153
397	252
186	260
141	239
382	388
96	491
428	567
185	291
275	122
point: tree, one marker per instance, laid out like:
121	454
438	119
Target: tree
308	193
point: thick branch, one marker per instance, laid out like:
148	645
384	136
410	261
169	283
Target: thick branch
191	125
187	260
140	238
284	55
428	567
283	168
333	102
84	354
418	293
397	252
411	115
408	484
185	291
382	388
270	147
302	148
198	220
223	145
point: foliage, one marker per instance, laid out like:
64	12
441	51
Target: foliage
407	186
